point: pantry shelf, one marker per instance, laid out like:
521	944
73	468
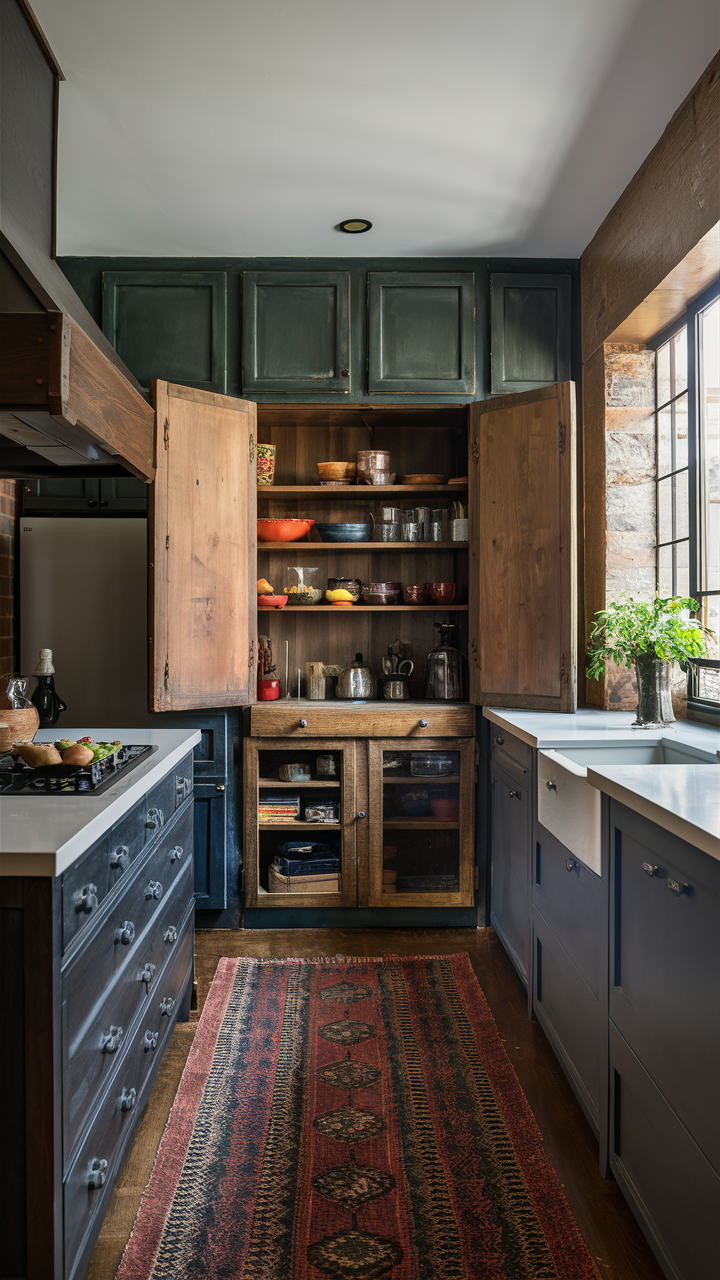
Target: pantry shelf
421	824
368	608
293	825
354	492
416	778
270	782
363	546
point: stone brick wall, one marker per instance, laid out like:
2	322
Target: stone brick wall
9	509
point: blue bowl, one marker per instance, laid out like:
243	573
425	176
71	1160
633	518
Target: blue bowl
344	532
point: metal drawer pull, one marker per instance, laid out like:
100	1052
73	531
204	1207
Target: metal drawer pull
514	795
112	1040
571	864
125	932
150	1040
361	813
303	724
220	786
120	857
166	1006
183	786
86	898
127	1099
176	853
499	741
551	786
648	868
146	973
422	724
96	1174
154	890
155	819
170	934
676	887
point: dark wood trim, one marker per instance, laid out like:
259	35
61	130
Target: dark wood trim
41	39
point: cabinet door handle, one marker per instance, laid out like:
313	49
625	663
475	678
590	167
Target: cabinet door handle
154	890
551	786
166	1006
146	973
499	741
422	724
96	1174
361	813
127	1099
176	854
571	864
155	819
220	786
677	886
303	724
120	857
514	795
112	1040
150	1040
648	868
125	932
170	934
86	898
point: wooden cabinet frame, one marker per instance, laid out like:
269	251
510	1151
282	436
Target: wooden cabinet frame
465	896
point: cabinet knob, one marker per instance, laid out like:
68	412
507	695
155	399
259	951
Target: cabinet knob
551	786
571	864
344	373
514	795
112	1041
170	934
303	724
155	819
677	886
154	890
146	973
220	786
127	1099
150	1040
361	813
96	1174
648	868
166	1006
499	741
86	898
120	857
125	932
422	724
176	854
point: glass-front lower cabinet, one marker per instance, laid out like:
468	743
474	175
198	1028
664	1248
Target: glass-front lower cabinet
421	823
300	823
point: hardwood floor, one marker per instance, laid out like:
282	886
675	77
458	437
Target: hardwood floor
612	1235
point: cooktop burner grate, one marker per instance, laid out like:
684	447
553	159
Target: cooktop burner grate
18	779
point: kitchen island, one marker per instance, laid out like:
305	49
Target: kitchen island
96	935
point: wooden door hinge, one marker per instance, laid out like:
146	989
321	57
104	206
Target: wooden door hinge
166	433
251	448
475	451
167	541
561	436
251	655
167	672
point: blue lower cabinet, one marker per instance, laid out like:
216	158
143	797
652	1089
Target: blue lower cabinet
210	833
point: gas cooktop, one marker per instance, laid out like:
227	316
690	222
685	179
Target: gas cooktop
18	779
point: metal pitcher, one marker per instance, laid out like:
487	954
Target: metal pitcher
356	681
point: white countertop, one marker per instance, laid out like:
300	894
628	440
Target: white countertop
43	835
681	798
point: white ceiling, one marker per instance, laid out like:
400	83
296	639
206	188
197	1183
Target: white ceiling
458	127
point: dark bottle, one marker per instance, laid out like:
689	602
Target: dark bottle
45	699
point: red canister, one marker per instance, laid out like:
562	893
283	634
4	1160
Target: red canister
268	690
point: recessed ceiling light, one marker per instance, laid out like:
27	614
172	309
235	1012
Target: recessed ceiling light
354	226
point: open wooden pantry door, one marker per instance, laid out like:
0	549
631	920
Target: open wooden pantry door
523	605
201	536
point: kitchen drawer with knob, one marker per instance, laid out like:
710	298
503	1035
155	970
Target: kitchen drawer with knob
97	1020
373	720
162	801
504	745
89	1181
571	898
89	881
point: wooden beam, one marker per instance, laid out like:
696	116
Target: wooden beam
595	511
670	204
672	297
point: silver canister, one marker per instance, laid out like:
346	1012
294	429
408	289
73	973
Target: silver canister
438	517
411	531
422	515
389	515
388	532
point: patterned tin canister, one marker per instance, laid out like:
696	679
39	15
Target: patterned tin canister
265	463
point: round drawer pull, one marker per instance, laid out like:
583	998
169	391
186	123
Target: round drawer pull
96	1173
571	864
220	786
155	819
147	973
150	1040
112	1041
120	857
551	786
499	741
170	934
125	932
86	898
154	890
127	1099
176	853
514	795
361	813
422	724
166	1006
303	724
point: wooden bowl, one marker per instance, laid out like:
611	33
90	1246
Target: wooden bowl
18	726
346	471
421	479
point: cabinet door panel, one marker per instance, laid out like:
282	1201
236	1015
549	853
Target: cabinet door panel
571	1016
77	494
169	324
529	331
119	496
510	850
202	535
210	862
523	536
296	331
421	332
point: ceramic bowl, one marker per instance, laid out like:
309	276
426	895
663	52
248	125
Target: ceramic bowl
345	532
282	530
442	592
271	602
381	593
447	809
414	594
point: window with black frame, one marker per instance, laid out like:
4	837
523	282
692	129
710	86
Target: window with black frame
687	372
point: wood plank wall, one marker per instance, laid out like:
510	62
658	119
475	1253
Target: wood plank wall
670	204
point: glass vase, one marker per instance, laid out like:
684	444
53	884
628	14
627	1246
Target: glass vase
654	690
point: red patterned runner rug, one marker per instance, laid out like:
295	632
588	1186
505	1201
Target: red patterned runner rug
352	1118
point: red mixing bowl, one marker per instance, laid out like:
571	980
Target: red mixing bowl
282	530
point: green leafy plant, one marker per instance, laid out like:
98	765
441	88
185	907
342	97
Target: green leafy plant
631	628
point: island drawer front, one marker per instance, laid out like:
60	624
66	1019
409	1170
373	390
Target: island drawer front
90	1013
504	743
381	721
570	897
670	1186
167	796
88	882
108	1135
118	939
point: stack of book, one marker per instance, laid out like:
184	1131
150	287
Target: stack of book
282	808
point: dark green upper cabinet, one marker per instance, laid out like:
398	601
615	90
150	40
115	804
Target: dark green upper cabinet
170	325
421	332
529	331
296	331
